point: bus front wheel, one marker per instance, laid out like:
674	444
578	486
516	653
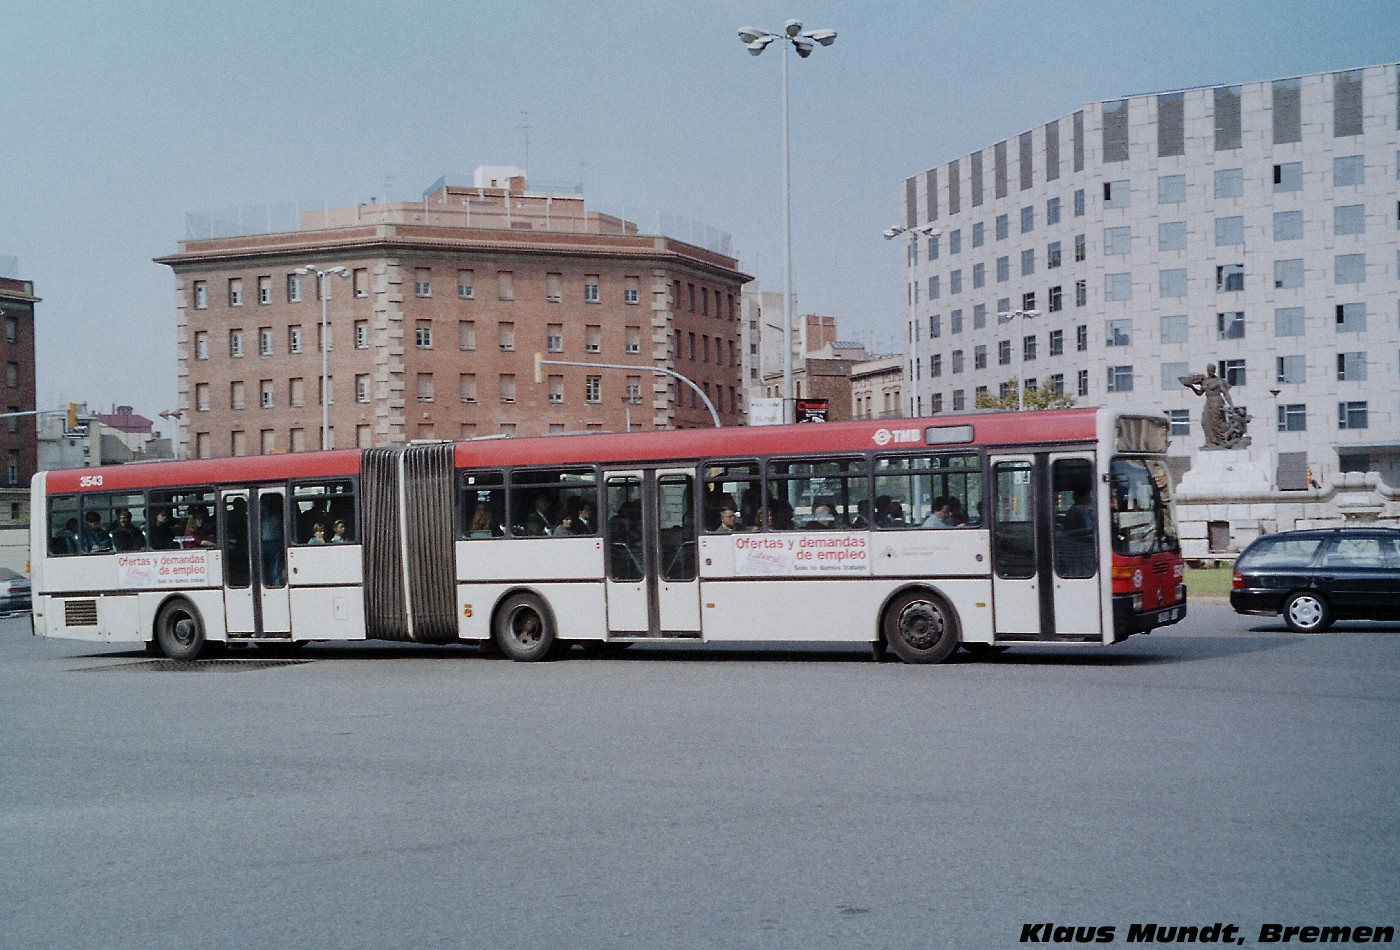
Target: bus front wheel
180	630
920	628
525	630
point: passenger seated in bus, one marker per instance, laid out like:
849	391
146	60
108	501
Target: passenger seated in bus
940	516
68	540
779	514
318	534
340	532
728	521
579	517
96	540
162	531
955	512
861	522
823	518
540	522
1080	516
481	524
125	535
198	534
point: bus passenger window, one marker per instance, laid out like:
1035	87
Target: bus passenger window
733	497
550	503
323	504
928	491
484	504
64	535
816	494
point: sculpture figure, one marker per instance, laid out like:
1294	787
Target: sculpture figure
1222	423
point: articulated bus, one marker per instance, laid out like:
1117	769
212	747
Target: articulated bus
916	536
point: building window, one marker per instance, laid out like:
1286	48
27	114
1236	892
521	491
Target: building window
1116	194
556	389
361	334
631	290
505	335
1081	338
201	345
425	387
1288	176
554	338
1179	421
1288	225
1293	417
359	283
466	334
1003	227
422	282
1057	342
235	292
265	342
1056	299
1174	328
1081	248
979	356
1028	262
1229	231
1081	293
590	289
554	288
264	290
1230	325
979	234
935	364
236	399
955	241
466	284
1351	415
1115	131
1171	189
466	387
1172	373
1117	240
423	334
955	321
201	397
1288	274
1120	379
1349	219
633	337
1351	268
293	288
1288	321
956	363
265	394
1003	352
1028	350
1346	104
1027	219
593	389
1233	372
593	340
959	400
1079	200
1227	118
1229	183
1287	112
1348	170
296	392
505	285
1118	333
235	343
979	276
507	384
1052	211
1028	301
1118	287
1172	282
1003	269
1083	382
1229	278
954	284
201	295
1292	369
362	387
294	344
1351	367
1052	255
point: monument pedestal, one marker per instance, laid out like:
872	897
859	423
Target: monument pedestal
1223	474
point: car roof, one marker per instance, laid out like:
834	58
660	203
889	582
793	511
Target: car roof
1337	531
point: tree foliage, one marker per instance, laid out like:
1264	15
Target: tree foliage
1031	399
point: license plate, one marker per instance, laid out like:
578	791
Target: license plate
1166	616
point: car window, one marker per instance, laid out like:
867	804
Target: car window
1356	552
1280	552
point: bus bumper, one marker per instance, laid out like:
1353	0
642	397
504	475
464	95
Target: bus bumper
1127	621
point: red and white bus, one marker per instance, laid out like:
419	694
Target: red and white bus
916	535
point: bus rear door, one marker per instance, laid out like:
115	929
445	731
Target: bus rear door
653	586
255	563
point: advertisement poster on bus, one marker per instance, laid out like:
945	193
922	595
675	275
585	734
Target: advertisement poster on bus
163	569
806	554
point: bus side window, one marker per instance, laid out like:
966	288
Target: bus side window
732	487
547	503
483	504
64	533
816	494
329	505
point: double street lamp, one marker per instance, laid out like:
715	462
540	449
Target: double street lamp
324	288
803	41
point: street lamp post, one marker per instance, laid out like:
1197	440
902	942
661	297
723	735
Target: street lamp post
804	42
325	294
1005	317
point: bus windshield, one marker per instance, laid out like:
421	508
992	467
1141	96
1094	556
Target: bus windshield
1143	520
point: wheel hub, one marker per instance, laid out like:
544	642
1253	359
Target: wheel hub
921	625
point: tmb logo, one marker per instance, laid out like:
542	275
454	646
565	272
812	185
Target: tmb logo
886	436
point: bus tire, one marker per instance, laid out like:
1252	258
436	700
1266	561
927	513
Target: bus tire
180	630
920	627
524	629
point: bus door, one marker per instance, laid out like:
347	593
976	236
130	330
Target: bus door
1016	579
653	586
1075	546
255	559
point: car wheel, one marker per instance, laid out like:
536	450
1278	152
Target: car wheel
920	628
1306	612
180	630
524	629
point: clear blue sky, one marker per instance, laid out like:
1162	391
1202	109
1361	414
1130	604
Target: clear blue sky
120	118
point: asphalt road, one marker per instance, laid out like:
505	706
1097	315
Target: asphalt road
380	796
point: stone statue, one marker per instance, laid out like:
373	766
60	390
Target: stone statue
1223	424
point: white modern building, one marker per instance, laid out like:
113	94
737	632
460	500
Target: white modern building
1253	227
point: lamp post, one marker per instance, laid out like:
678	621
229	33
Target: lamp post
324	288
1006	316
804	42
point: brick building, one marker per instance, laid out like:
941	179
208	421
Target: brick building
434	330
19	446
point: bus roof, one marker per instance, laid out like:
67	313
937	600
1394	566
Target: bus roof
251	468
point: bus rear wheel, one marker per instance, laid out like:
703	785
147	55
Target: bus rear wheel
180	630
920	628
524	629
